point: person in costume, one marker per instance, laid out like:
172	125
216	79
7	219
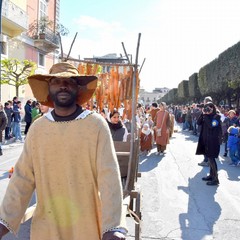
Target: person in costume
146	138
118	130
70	161
162	126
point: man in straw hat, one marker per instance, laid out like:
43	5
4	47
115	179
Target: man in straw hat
69	159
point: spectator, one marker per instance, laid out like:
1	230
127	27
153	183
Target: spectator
230	120
195	115
184	119
3	124
207	99
35	110
8	111
14	106
17	121
28	115
209	140
232	145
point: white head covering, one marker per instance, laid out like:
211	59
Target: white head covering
148	131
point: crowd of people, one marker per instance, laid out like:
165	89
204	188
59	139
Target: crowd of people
70	151
212	125
12	117
230	124
155	124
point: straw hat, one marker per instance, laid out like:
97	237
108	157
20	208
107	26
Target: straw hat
39	83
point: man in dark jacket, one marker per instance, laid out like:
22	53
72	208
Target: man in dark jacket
210	140
8	110
28	115
3	123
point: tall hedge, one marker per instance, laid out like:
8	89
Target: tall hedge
223	73
194	91
183	91
173	96
220	79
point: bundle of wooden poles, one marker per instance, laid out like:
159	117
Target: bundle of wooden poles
114	87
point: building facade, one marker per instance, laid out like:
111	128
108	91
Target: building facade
147	98
21	27
109	58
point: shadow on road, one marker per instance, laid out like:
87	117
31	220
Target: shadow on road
147	163
203	211
4	175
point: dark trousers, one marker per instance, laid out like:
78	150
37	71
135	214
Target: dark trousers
27	127
7	133
161	148
213	168
226	140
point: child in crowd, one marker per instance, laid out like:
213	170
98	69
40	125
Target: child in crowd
232	145
146	139
149	121
230	120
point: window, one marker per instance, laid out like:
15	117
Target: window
41	59
42	9
3	46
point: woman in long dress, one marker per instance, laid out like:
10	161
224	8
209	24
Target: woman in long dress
162	126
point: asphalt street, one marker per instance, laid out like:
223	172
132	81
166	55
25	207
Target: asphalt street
176	203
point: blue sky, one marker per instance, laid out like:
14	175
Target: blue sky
178	36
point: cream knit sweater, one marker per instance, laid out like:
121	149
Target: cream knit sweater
73	167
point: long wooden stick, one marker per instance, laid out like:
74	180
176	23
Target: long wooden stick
99	63
133	123
60	40
72	45
142	65
124	49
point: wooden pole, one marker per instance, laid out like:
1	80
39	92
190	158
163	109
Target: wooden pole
134	133
142	65
124	49
60	40
98	63
71	46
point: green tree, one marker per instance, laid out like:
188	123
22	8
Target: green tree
15	72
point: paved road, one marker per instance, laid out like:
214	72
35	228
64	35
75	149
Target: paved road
176	203
10	155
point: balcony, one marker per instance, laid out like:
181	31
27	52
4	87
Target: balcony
14	19
47	41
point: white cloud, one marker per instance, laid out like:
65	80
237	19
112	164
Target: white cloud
178	37
97	37
86	22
